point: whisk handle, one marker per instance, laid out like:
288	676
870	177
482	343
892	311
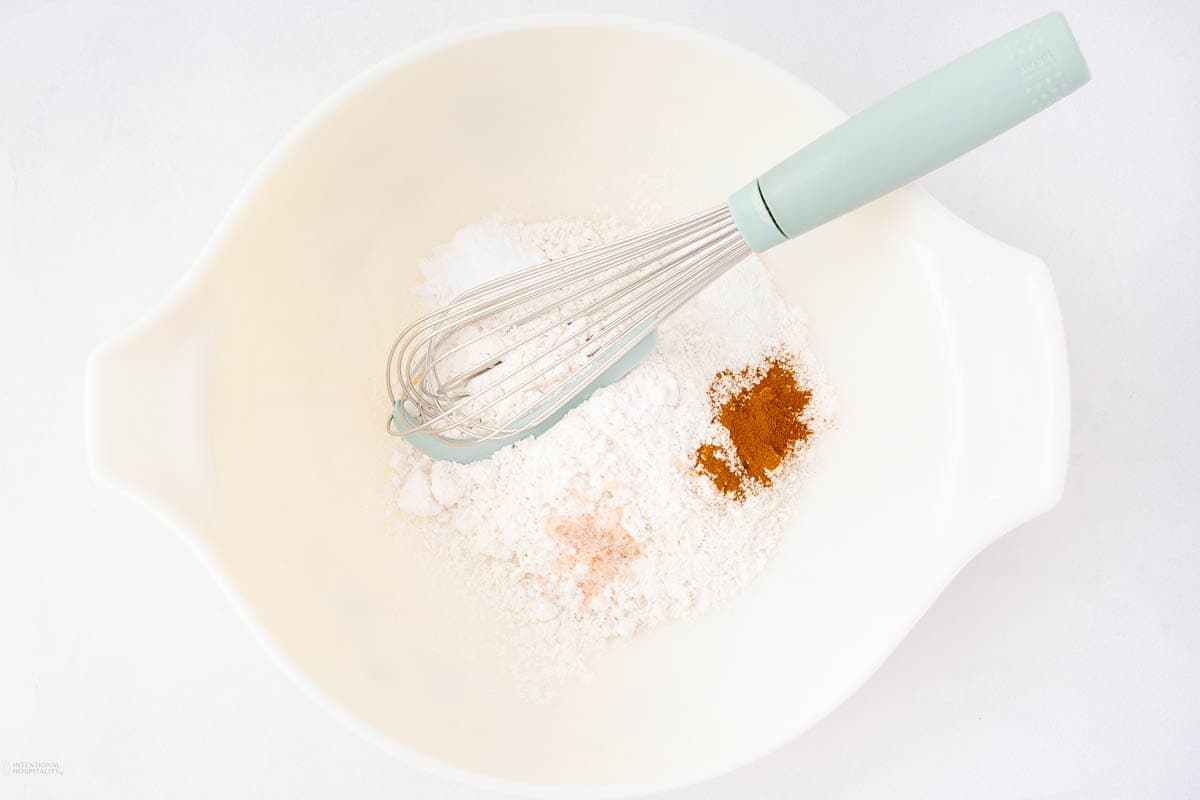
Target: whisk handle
914	131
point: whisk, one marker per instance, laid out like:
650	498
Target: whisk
509	358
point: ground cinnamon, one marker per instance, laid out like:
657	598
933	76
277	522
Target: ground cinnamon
762	408
710	459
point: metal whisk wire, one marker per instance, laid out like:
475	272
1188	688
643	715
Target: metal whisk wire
450	370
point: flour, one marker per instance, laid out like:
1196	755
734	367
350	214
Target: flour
500	367
602	527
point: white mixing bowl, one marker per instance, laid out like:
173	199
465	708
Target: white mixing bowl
249	407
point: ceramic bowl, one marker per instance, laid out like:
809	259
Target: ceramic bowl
249	409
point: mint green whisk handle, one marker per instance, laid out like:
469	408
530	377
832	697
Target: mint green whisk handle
913	132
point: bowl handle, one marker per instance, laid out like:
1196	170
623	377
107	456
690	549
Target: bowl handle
146	411
1012	365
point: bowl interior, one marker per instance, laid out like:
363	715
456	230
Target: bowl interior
314	278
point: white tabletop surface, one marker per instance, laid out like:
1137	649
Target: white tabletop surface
1063	663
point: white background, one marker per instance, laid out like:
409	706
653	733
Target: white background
1063	663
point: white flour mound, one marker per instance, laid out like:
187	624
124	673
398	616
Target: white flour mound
518	527
549	350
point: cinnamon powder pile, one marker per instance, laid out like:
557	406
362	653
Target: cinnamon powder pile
762	409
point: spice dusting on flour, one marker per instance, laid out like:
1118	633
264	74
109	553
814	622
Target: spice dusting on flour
597	550
657	499
762	410
713	460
